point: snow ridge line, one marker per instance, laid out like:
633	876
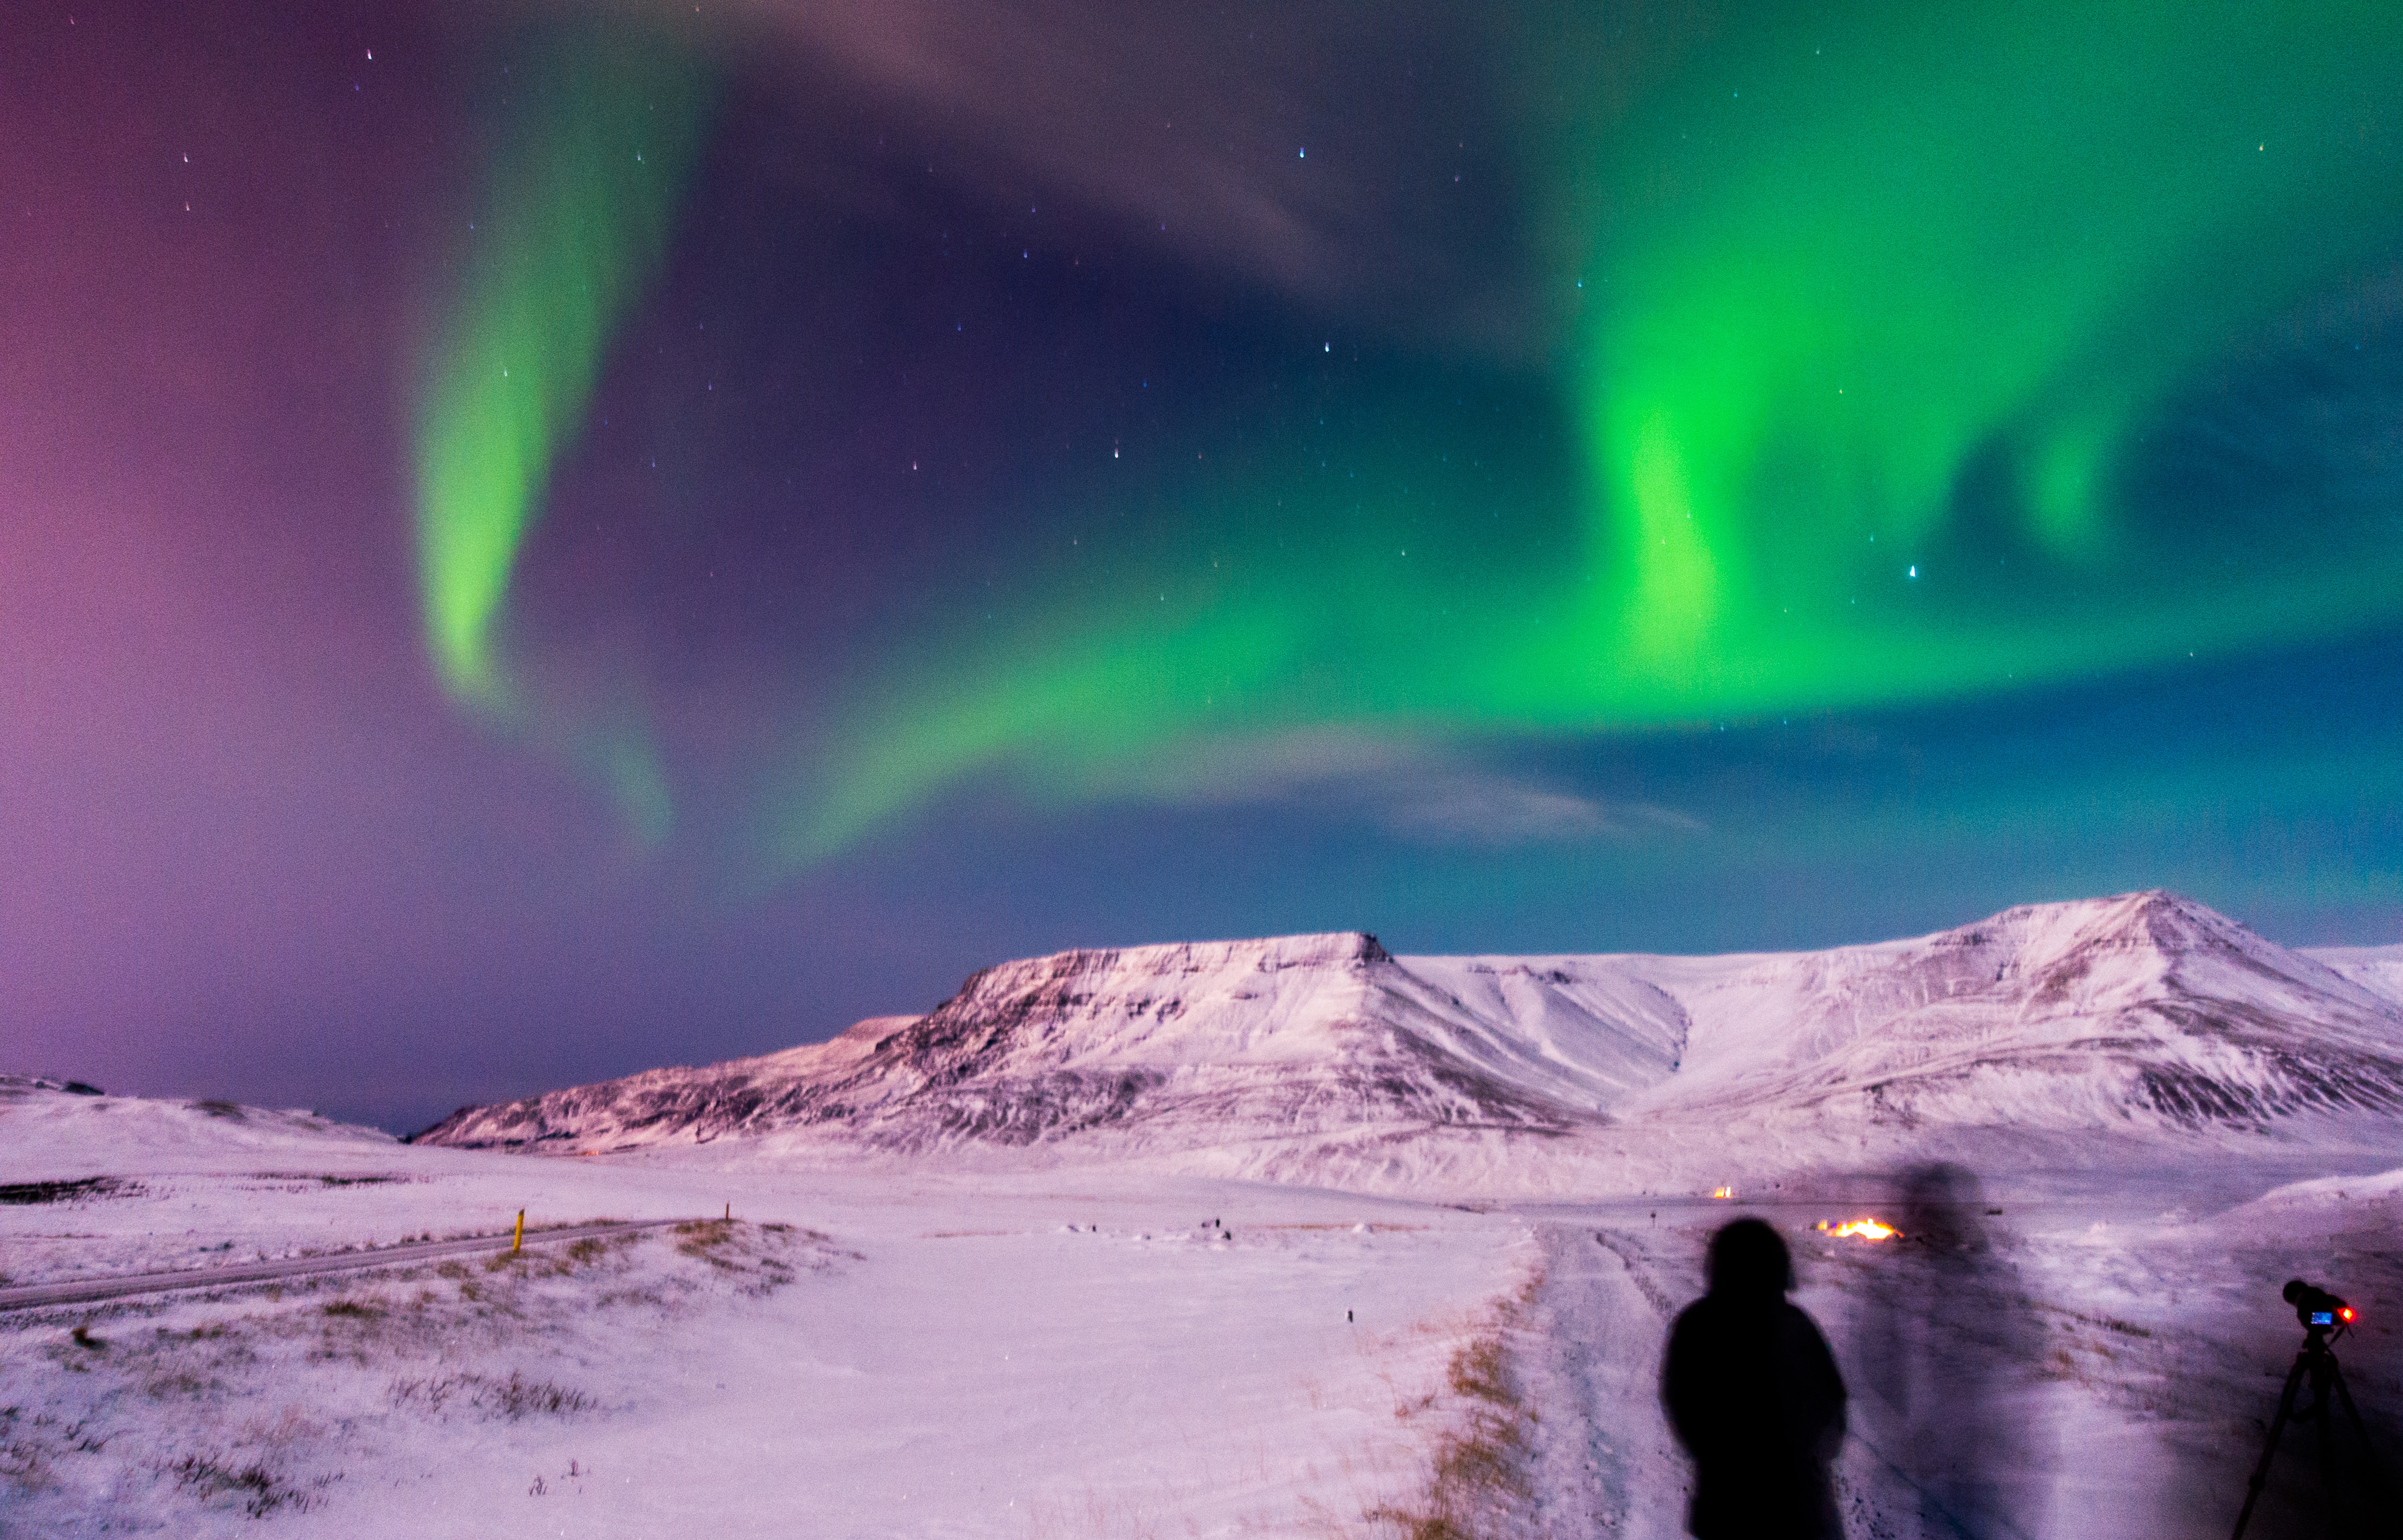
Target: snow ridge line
2143	1011
86	1290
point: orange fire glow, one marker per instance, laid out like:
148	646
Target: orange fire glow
1861	1229
1723	1192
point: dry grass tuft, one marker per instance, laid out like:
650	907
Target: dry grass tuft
1478	1371
512	1398
259	1490
1477	1478
700	1237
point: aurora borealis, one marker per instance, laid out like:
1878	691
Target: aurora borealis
579	203
1911	304
1905	310
586	526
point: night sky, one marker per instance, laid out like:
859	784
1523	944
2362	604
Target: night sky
545	541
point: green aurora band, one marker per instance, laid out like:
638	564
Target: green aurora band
1868	313
1878	305
574	219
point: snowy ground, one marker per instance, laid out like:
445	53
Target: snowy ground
926	1349
859	1352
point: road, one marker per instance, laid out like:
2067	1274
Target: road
80	1291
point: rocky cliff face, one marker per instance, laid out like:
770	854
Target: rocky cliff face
2146	1010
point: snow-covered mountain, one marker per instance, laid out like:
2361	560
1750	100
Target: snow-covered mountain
2143	1009
2140	1011
1230	1039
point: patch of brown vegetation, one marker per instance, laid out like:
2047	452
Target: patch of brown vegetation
1477	1477
701	1238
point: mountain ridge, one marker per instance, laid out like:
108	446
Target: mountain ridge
2141	1010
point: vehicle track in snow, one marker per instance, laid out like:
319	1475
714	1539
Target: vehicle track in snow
1601	1460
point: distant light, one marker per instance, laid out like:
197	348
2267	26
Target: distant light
1914	572
1301	155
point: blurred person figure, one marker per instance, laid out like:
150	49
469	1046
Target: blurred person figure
1944	1346
1754	1396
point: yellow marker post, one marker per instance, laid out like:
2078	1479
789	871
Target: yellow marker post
518	1245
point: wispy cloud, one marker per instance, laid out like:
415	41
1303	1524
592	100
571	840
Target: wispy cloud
1419	791
1184	124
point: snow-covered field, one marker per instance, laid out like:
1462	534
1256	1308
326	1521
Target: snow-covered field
1268	1238
861	1351
880	1346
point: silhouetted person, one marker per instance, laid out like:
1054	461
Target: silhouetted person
1754	1396
1945	1349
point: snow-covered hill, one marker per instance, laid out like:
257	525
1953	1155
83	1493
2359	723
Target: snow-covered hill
1187	1043
2145	1010
62	1129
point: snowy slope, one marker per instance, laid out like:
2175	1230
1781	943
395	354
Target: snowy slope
1184	1044
740	1095
2377	969
54	1133
2145	1010
861	1353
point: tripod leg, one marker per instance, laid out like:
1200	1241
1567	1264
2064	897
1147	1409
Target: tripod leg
2270	1447
2324	1414
2376	1472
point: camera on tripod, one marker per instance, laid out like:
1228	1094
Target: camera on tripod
2316	1308
2325	1318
